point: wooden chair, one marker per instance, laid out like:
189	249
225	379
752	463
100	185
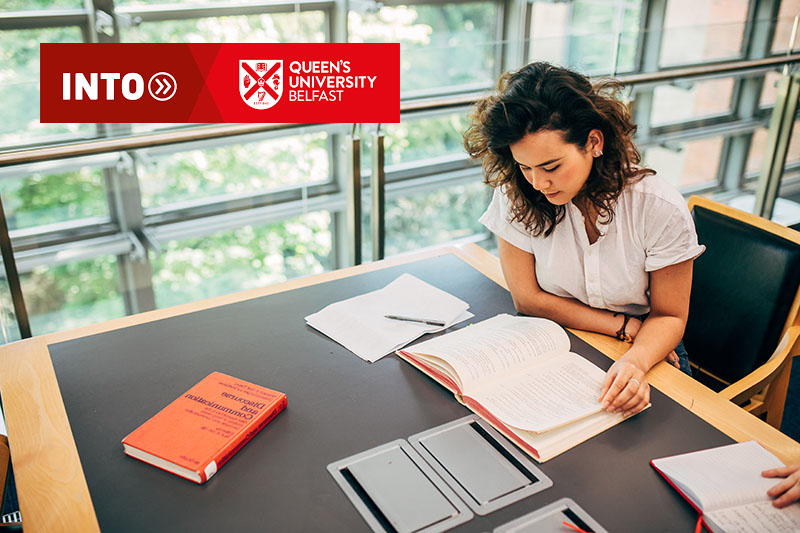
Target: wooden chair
744	324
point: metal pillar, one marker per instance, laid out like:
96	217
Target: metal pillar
353	161
780	132
12	276
377	180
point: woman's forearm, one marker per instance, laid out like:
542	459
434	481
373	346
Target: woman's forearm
569	313
658	336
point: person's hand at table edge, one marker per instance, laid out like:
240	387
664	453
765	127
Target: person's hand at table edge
625	389
788	490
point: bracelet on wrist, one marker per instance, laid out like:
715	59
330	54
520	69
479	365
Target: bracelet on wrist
621	335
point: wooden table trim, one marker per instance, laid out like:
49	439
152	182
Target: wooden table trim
52	491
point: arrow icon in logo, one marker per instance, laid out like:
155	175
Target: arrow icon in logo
162	86
165	87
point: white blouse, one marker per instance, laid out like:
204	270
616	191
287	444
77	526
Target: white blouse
652	229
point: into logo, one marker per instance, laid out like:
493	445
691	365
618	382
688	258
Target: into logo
162	86
260	82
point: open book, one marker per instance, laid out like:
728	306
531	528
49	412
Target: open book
725	486
519	375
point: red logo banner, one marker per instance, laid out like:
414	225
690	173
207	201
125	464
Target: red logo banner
300	83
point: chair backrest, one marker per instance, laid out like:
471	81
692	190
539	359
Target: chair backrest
744	289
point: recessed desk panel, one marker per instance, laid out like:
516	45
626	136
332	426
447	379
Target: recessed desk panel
338	405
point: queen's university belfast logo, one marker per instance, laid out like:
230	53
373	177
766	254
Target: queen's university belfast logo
260	82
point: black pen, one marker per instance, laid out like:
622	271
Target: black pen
420	320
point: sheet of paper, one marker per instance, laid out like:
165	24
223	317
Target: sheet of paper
722	477
756	518
359	323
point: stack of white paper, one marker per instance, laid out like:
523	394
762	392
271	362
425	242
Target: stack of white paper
360	325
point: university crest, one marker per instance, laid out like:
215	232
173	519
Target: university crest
260	82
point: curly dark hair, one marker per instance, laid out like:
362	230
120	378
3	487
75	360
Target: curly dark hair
541	96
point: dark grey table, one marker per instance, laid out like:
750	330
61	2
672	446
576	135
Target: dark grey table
338	405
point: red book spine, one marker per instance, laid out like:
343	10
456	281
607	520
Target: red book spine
671	484
502	428
442	379
249	432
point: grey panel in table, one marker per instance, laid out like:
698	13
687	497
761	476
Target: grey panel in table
338	406
397	491
484	468
551	519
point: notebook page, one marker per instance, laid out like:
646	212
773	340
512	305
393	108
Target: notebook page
495	346
756	518
722	477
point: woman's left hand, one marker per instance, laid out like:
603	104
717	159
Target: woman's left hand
674	360
788	490
625	389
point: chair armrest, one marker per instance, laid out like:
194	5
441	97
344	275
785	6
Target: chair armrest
759	378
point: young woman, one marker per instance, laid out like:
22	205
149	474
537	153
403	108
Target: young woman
586	236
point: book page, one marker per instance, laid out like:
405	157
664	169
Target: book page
551	443
495	347
537	399
755	518
722	477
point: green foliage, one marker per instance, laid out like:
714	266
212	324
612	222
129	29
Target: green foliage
441	45
251	256
427	138
19	87
71	295
47	198
433	218
35	5
241	168
594	32
308	26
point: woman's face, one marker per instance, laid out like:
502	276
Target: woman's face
554	167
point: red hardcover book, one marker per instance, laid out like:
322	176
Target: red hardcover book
197	433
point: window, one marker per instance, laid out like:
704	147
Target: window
306	26
425	140
19	88
697	31
687	164
788	10
443	46
98	236
596	37
66	296
759	143
234	170
769	92
247	257
428	218
684	101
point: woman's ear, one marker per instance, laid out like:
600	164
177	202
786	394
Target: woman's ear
595	143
